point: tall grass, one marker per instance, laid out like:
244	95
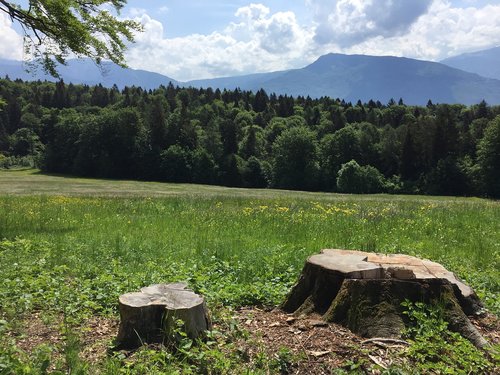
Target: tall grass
253	239
259	236
70	247
197	228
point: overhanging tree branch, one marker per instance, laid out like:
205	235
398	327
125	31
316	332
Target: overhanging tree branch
54	29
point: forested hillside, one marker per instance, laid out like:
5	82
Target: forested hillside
484	62
366	77
240	138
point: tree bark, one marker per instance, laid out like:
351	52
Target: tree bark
150	316
364	292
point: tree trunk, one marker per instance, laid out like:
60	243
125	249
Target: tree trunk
150	316
364	292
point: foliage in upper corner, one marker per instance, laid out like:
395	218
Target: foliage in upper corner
54	29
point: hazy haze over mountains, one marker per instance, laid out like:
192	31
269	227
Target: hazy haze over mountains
84	71
349	77
200	39
353	77
485	63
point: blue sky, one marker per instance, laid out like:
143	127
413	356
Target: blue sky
192	39
181	18
184	17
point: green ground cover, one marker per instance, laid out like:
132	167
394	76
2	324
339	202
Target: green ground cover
70	247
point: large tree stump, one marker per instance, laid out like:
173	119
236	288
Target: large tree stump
364	292
149	316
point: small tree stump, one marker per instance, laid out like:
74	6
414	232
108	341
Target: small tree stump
364	291
149	316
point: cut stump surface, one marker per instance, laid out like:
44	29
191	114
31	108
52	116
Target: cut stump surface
364	291
149	315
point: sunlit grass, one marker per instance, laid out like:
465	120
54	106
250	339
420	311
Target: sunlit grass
269	231
70	247
232	228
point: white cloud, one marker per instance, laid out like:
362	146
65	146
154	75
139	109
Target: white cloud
136	12
278	33
348	22
261	41
258	42
11	43
442	32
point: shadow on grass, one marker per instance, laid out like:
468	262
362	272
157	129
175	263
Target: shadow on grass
26	231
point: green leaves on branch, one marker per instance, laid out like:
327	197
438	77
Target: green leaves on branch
353	178
55	28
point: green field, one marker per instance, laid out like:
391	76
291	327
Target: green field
69	247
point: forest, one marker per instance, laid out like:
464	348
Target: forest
244	139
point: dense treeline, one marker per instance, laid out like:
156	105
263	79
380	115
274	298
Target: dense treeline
240	138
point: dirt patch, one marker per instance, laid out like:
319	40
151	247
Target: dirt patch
489	326
97	334
37	329
321	348
313	346
318	347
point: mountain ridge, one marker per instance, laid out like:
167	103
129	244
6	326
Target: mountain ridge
348	77
84	71
365	77
484	62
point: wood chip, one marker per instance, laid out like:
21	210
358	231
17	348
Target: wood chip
318	354
318	323
384	340
302	327
377	361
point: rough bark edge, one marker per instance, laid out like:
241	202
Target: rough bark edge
315	290
156	323
329	294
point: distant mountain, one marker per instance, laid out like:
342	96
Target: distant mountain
84	71
349	77
353	77
485	63
246	82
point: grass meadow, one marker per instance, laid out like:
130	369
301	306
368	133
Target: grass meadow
69	247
